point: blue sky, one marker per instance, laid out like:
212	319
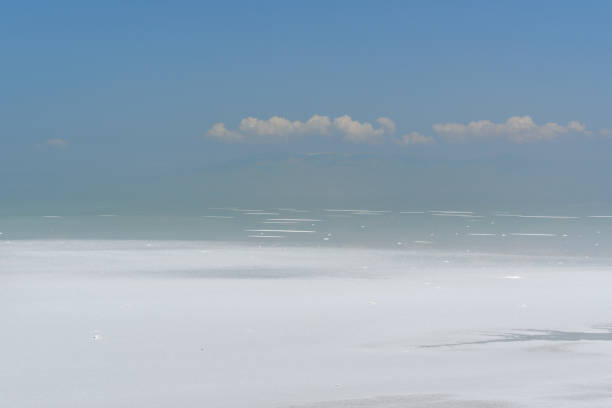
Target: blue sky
111	105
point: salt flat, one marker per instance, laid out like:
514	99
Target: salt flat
185	323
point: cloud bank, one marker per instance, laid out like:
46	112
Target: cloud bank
278	128
518	129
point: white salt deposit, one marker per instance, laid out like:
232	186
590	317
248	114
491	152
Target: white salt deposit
109	323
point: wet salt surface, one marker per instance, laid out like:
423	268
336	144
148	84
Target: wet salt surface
407	401
303	322
536	335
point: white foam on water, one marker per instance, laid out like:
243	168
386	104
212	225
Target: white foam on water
482	234
358	211
218	216
280	230
525	234
294	219
447	214
412	212
599	216
450	212
293	210
552	217
266	236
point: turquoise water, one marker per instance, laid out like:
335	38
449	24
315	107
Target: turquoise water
586	236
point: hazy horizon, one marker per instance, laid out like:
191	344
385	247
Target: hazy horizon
164	109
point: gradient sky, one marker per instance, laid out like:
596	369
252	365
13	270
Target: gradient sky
113	106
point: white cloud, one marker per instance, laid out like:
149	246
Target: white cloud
516	129
415	138
255	129
281	127
605	132
576	127
387	123
357	132
219	132
317	124
57	143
